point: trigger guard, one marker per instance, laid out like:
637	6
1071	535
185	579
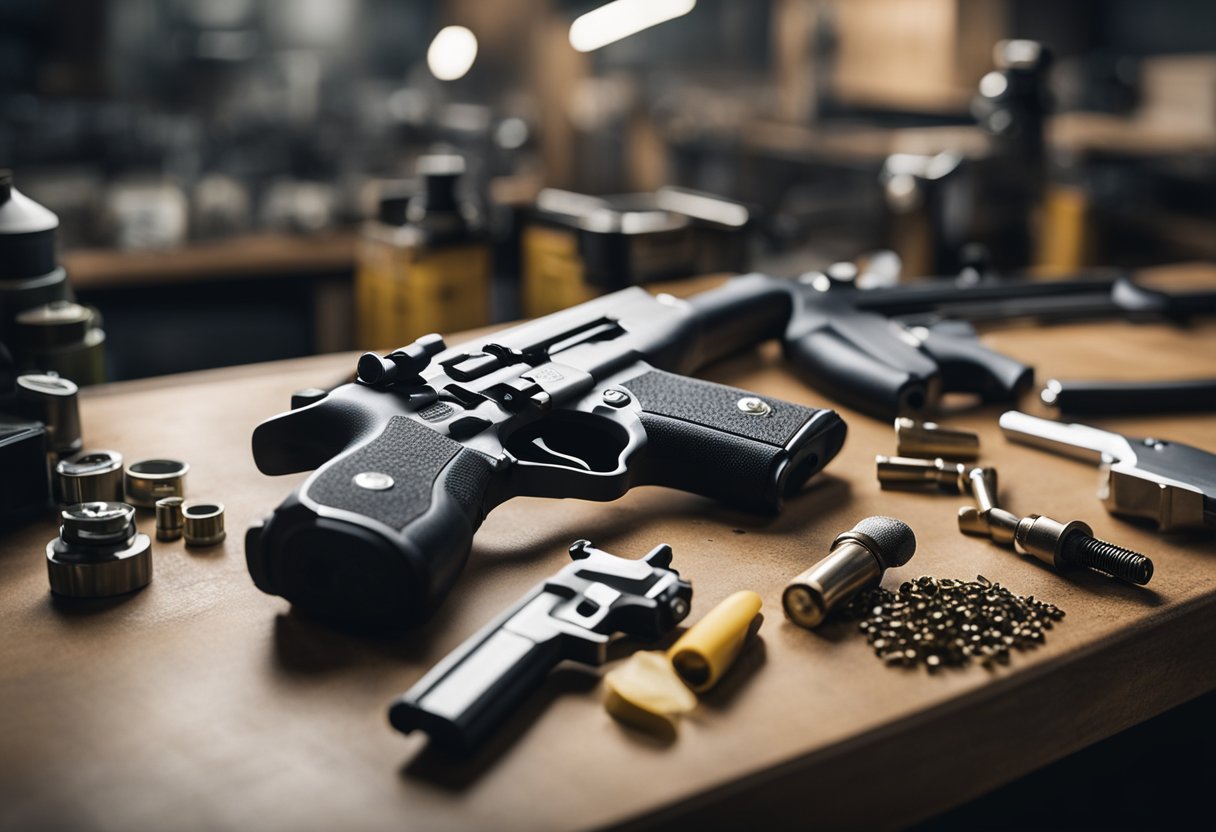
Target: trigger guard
600	467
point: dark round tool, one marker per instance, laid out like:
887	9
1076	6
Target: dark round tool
857	560
27	230
99	552
28	274
63	337
89	476
148	480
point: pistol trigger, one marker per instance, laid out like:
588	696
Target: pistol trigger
539	442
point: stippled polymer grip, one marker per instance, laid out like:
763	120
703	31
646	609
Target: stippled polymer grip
378	535
713	440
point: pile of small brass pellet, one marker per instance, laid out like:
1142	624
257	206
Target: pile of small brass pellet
942	622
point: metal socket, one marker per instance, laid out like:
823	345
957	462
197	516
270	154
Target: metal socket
169	521
203	522
148	480
98	552
89	476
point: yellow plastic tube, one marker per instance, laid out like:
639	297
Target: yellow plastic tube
707	650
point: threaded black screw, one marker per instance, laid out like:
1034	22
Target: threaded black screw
1079	549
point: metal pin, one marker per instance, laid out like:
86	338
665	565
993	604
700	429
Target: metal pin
983	487
928	439
996	523
905	472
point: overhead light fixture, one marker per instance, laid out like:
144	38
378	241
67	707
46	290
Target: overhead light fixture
452	53
622	18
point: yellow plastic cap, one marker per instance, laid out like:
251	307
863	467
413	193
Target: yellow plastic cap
707	650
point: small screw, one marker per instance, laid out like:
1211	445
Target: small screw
753	406
615	398
679	608
373	481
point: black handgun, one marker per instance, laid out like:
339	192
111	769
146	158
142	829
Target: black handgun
895	350
583	403
570	616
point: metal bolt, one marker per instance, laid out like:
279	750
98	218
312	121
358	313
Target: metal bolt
1071	545
753	406
1059	545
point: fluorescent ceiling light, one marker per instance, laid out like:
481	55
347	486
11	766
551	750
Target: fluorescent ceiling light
451	53
622	18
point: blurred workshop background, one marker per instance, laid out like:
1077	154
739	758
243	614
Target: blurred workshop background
246	180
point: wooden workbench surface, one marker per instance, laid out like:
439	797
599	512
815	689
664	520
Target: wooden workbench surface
199	702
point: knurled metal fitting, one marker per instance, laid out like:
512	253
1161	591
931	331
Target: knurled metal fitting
204	522
169	521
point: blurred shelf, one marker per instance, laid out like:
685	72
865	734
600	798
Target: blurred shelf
253	255
1101	132
862	143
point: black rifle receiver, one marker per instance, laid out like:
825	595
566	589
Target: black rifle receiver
894	351
585	403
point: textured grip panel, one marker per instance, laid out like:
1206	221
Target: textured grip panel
712	463
413	455
716	406
895	539
467	480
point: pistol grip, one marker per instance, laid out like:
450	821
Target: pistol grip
702	438
461	701
967	366
862	360
377	535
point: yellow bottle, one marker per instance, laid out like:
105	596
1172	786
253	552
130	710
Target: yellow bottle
431	274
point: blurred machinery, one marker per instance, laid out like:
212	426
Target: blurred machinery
41	328
190	146
577	246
